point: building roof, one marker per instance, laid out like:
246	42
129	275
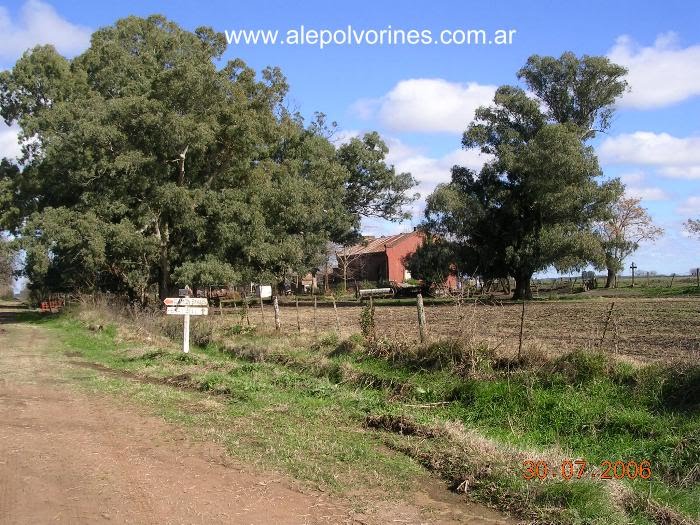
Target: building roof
377	244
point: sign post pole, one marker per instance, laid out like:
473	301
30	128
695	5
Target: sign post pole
186	306
186	335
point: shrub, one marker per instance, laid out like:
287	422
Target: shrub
347	346
239	329
582	366
367	322
666	387
202	332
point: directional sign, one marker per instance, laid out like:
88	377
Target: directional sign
187	310
186	306
186	301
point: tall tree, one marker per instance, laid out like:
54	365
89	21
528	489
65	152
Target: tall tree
6	267
374	188
350	263
692	226
628	225
144	162
535	202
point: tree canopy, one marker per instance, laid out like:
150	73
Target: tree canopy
433	262
628	225
144	162
534	203
692	226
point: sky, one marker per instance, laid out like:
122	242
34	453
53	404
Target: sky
422	96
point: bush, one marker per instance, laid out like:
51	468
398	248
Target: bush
202	332
581	367
367	322
348	346
329	340
665	387
239	329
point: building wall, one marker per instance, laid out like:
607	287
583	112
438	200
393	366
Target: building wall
368	267
408	246
374	266
396	255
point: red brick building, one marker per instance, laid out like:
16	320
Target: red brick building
381	259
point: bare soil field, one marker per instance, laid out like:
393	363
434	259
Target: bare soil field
646	329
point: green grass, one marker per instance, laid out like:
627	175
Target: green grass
271	414
300	408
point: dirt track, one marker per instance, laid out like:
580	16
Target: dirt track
67	458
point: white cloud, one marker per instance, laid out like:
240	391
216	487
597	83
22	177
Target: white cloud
644	147
646	193
38	23
344	136
636	177
659	75
681	172
635	187
690	207
429	171
9	147
427	105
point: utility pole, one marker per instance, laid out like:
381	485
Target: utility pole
633	268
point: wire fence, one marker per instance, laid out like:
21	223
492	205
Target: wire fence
648	329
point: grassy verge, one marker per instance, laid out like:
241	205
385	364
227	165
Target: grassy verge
331	412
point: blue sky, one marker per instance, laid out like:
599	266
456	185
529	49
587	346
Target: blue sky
421	97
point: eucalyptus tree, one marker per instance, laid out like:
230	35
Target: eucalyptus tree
535	202
146	159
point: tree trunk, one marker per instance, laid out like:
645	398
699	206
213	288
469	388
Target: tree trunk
610	281
163	233
522	287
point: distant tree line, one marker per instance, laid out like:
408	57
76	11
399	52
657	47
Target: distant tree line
144	164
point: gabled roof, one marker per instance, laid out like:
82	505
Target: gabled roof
377	245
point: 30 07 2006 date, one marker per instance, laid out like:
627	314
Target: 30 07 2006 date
580	469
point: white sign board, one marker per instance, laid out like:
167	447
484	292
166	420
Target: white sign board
186	306
265	291
186	301
187	310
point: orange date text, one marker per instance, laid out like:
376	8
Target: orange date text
580	469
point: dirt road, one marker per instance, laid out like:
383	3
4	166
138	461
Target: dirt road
69	458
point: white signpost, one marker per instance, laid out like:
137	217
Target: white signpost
186	306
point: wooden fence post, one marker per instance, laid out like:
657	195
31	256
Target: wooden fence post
296	302
276	307
315	316
262	311
421	319
607	322
246	308
522	324
337	319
